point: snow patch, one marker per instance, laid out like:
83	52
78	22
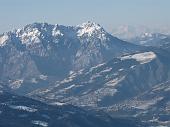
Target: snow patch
57	103
115	81
71	72
133	66
143	58
43	77
70	87
23	108
95	67
69	79
16	84
106	70
56	32
40	123
121	69
66	80
30	36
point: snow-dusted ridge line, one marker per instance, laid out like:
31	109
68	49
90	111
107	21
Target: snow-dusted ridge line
32	33
23	108
143	58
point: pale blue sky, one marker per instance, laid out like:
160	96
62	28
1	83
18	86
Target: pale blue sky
108	13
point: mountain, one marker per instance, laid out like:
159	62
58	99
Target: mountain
107	84
130	32
151	39
68	68
18	111
40	53
127	32
131	85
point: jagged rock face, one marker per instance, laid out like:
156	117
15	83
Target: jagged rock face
20	111
110	83
55	50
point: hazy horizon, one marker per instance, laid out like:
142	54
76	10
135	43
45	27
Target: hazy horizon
109	14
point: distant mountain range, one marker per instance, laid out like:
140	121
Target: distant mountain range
77	72
143	36
128	32
149	39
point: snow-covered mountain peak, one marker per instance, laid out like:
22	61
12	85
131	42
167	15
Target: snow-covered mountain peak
90	29
36	32
30	35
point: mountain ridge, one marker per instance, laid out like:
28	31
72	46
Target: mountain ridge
55	50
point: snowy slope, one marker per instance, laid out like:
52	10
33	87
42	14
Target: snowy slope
110	83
